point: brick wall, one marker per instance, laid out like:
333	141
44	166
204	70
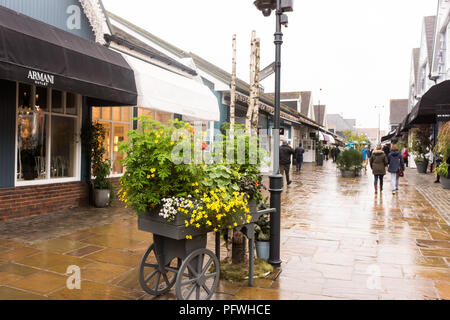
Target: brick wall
32	200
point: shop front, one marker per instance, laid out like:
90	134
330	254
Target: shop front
49	81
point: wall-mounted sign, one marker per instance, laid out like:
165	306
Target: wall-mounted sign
40	78
443	117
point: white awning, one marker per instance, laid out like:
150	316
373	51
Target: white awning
163	90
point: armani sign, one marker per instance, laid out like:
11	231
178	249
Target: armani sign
40	78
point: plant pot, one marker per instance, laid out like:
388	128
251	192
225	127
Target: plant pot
319	161
445	182
238	252
263	249
102	197
348	173
422	166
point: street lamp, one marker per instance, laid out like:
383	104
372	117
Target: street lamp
379	122
276	179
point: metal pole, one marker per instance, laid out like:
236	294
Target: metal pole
276	179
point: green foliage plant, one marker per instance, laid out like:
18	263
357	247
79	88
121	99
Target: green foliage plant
421	144
350	160
93	136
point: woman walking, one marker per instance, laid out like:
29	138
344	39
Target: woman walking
378	163
405	155
396	167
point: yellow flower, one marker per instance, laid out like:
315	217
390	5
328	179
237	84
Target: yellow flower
197	191
152	170
235	224
172	143
215	229
153	175
197	225
189	237
156	141
148	176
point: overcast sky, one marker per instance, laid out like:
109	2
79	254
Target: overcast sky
357	51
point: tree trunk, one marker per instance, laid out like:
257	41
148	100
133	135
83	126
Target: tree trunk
251	104
256	86
233	89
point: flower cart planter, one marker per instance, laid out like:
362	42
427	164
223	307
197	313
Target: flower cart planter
172	260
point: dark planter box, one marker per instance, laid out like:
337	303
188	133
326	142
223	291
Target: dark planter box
348	173
422	166
445	183
150	221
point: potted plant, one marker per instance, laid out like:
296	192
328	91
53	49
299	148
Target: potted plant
421	146
350	162
319	160
263	237
443	148
93	136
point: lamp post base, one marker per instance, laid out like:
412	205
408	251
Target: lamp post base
275	188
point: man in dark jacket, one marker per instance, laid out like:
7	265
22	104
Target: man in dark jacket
299	157
386	150
286	153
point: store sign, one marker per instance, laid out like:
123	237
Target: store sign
443	117
40	78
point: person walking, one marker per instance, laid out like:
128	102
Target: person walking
286	153
438	163
326	152
299	157
378	163
396	167
405	156
337	152
386	149
365	153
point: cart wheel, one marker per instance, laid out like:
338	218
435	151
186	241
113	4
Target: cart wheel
154	278
200	273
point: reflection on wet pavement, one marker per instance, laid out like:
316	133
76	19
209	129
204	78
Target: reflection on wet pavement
339	239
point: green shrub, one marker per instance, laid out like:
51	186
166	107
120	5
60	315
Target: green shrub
421	144
350	159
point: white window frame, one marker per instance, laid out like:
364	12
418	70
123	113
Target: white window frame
48	112
111	136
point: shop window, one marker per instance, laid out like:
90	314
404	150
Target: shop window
163	117
71	103
42	102
63	152
57	101
117	123
47	135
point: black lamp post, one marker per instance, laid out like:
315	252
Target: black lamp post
276	179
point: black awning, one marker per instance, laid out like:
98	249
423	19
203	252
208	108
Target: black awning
35	52
433	106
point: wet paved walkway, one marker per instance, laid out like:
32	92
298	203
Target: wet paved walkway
339	241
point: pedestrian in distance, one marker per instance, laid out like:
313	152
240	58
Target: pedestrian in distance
387	149
299	157
365	153
405	156
371	152
337	152
438	163
378	163
286	153
326	153
396	167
